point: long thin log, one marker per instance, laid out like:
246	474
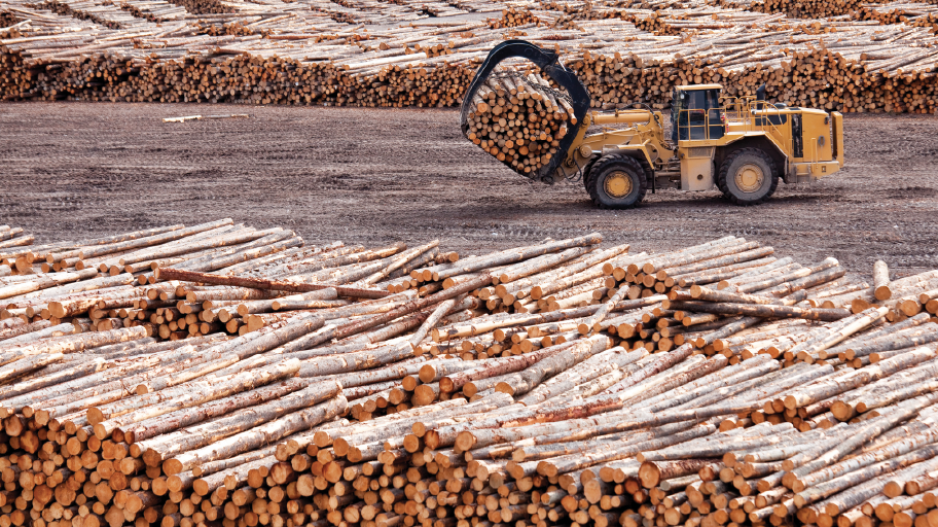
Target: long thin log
258	283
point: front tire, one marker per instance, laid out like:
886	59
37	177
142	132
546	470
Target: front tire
617	182
748	177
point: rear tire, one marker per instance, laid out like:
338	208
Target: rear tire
748	177
617	182
719	181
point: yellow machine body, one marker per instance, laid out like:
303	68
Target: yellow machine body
805	144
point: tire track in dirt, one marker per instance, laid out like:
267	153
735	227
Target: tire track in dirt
76	170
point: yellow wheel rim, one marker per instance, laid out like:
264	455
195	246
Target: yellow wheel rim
749	178
618	184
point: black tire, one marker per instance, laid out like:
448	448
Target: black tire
752	165
605	176
719	182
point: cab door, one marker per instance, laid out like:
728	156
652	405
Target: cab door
699	115
677	107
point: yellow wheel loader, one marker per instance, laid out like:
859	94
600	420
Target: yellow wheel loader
741	146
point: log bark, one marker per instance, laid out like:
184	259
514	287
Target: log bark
496	367
172	421
258	283
109	418
881	281
258	436
765	311
703	293
157	451
471	265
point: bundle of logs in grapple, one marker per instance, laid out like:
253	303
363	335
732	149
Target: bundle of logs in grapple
402	386
520	120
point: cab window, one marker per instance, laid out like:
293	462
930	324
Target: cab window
698	115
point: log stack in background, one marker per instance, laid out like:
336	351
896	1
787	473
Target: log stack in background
514	17
910	13
370	53
800	8
8	19
554	384
204	7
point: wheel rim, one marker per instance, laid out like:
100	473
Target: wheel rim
749	178
618	184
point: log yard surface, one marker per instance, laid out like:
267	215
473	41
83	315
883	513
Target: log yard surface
379	175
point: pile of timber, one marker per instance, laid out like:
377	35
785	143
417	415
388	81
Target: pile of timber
909	13
235	28
402	386
799	8
203	7
99	285
155	11
8	19
787	72
520	120
13	243
514	17
579	10
806	8
370	53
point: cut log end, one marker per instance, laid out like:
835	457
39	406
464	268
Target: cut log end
649	474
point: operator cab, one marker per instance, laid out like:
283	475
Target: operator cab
696	114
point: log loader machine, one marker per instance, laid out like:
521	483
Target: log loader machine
741	146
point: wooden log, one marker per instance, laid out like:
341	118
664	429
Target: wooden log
72	343
257	283
109	418
652	472
255	437
163	424
515	255
767	311
158	451
881	281
718	274
702	293
496	367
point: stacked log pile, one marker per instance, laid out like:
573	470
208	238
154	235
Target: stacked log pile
66	288
810	9
104	14
13	242
514	17
405	385
7	19
807	8
433	8
158	11
909	13
520	120
203	7
268	52
379	13
786	75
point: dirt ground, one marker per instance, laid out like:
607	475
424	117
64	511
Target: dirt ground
76	170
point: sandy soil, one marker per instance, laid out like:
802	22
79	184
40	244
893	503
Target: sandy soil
75	170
